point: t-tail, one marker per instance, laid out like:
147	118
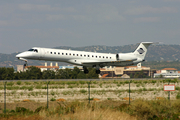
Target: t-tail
141	50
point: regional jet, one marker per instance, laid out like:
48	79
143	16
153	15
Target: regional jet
87	59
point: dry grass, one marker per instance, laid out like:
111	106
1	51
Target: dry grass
26	100
99	110
35	117
60	100
95	99
88	114
127	98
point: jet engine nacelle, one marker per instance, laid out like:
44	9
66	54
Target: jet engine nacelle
125	57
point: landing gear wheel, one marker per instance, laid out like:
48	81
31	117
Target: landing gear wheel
86	71
98	71
25	64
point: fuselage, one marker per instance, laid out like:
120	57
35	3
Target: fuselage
83	58
86	59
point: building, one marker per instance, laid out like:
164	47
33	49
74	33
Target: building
70	67
125	72
46	67
167	73
21	68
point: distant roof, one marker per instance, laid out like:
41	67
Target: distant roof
44	66
134	67
169	69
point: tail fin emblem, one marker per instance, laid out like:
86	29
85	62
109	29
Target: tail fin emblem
141	51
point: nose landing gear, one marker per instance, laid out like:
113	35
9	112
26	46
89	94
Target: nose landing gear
25	64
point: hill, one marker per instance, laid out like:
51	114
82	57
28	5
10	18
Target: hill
155	53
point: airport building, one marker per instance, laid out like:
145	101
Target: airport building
167	73
46	67
42	68
126	72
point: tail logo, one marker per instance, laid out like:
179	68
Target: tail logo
141	51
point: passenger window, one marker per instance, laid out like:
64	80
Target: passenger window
81	55
96	56
92	55
69	53
84	55
62	53
88	55
99	56
51	52
77	54
103	56
106	57
66	54
110	57
73	54
58	53
54	52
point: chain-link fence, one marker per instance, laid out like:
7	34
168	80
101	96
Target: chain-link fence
126	90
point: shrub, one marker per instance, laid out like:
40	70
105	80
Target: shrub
39	87
30	88
52	93
19	82
39	109
152	109
178	96
53	99
83	91
10	84
23	110
82	82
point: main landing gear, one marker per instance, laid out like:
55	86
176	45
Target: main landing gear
25	64
86	71
98	71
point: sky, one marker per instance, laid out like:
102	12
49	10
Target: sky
51	23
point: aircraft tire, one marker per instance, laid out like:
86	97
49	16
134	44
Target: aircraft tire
98	71
86	71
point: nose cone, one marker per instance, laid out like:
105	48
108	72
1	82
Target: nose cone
22	56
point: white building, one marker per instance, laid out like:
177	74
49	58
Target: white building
167	73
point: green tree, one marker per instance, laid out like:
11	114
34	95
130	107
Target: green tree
34	73
75	73
63	74
81	75
6	73
92	74
48	74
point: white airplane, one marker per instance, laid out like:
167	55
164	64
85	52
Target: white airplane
86	59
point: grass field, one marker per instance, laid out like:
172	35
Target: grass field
110	100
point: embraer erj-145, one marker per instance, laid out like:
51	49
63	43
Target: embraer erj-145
86	59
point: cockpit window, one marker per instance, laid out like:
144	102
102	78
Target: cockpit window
35	50
31	50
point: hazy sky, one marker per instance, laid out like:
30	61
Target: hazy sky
51	23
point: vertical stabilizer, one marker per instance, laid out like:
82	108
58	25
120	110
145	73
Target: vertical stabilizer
141	50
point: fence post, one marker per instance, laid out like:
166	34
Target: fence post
5	97
129	91
89	90
169	91
47	94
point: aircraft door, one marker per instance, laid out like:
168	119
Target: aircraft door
42	53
